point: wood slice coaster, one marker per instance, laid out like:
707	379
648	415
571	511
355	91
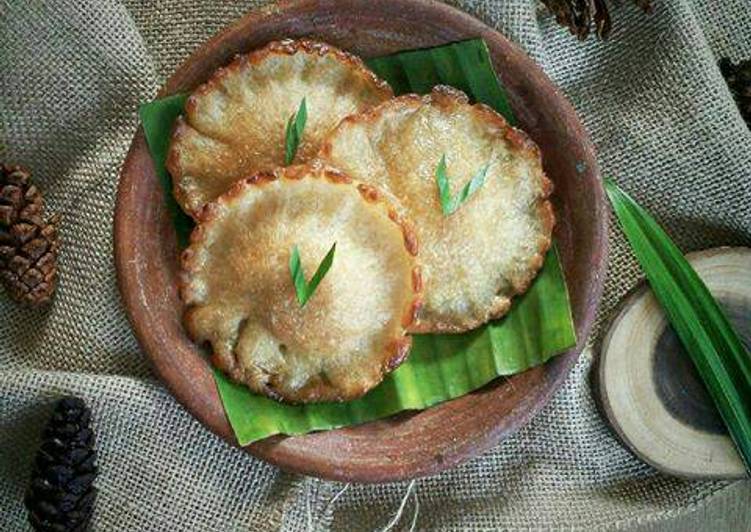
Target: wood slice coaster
649	389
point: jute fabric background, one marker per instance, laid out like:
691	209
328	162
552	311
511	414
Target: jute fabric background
72	73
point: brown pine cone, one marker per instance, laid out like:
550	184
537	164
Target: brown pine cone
738	78
28	244
578	15
61	494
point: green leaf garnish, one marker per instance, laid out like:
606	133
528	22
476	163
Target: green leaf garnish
705	332
303	289
293	133
450	204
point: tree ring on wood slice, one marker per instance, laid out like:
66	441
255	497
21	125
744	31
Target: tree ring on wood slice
648	387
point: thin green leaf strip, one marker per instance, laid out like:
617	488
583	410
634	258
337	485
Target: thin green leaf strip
439	367
450	204
298	277
705	332
444	189
304	290
293	132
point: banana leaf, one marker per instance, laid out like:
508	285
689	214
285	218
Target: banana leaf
439	367
713	345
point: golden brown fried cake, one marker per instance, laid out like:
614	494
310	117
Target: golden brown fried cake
240	296
476	259
234	124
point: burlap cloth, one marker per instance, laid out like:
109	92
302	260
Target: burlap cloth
72	73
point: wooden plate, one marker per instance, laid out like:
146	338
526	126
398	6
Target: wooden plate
408	445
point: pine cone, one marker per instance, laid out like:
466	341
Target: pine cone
738	78
28	244
577	15
61	494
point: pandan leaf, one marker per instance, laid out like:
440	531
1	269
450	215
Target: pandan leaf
294	131
705	332
449	203
304	289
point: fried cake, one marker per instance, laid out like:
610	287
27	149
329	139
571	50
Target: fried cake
240	298
234	124
475	260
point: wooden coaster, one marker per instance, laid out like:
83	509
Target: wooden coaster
649	389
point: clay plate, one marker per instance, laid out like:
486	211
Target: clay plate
407	445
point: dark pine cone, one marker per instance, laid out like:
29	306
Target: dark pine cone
577	15
61	494
28	244
738	78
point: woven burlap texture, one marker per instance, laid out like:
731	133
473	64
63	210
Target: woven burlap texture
72	73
